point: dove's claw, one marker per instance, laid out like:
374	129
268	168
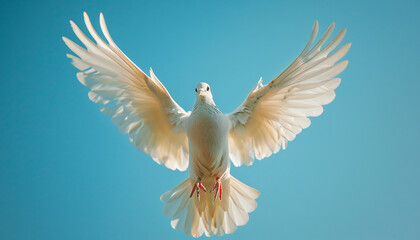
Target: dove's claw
218	187
197	187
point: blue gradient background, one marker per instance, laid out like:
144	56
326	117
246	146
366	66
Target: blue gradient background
67	173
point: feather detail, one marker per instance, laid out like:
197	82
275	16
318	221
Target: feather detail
139	105
274	114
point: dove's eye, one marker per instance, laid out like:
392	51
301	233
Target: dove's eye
196	90
208	88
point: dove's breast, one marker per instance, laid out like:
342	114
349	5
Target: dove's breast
207	130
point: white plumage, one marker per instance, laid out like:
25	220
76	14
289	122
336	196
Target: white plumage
206	140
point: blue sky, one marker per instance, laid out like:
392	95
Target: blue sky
67	173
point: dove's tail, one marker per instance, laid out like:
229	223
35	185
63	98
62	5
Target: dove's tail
208	215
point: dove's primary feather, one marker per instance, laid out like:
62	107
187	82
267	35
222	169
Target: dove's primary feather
273	114
139	105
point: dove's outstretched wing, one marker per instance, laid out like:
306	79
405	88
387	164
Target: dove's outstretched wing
139	105
273	114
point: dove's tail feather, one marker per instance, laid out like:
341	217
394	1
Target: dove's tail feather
209	216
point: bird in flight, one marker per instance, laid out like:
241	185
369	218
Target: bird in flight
205	141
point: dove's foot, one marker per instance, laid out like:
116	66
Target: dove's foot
218	188
197	187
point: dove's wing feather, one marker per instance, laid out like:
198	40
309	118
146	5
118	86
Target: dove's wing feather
274	114
139	105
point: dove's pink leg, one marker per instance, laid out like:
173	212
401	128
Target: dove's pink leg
218	188
197	187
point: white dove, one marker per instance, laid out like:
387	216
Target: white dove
205	140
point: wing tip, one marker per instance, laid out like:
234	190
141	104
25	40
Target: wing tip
101	19
73	25
85	14
66	40
315	27
342	65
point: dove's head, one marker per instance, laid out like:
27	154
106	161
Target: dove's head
203	93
